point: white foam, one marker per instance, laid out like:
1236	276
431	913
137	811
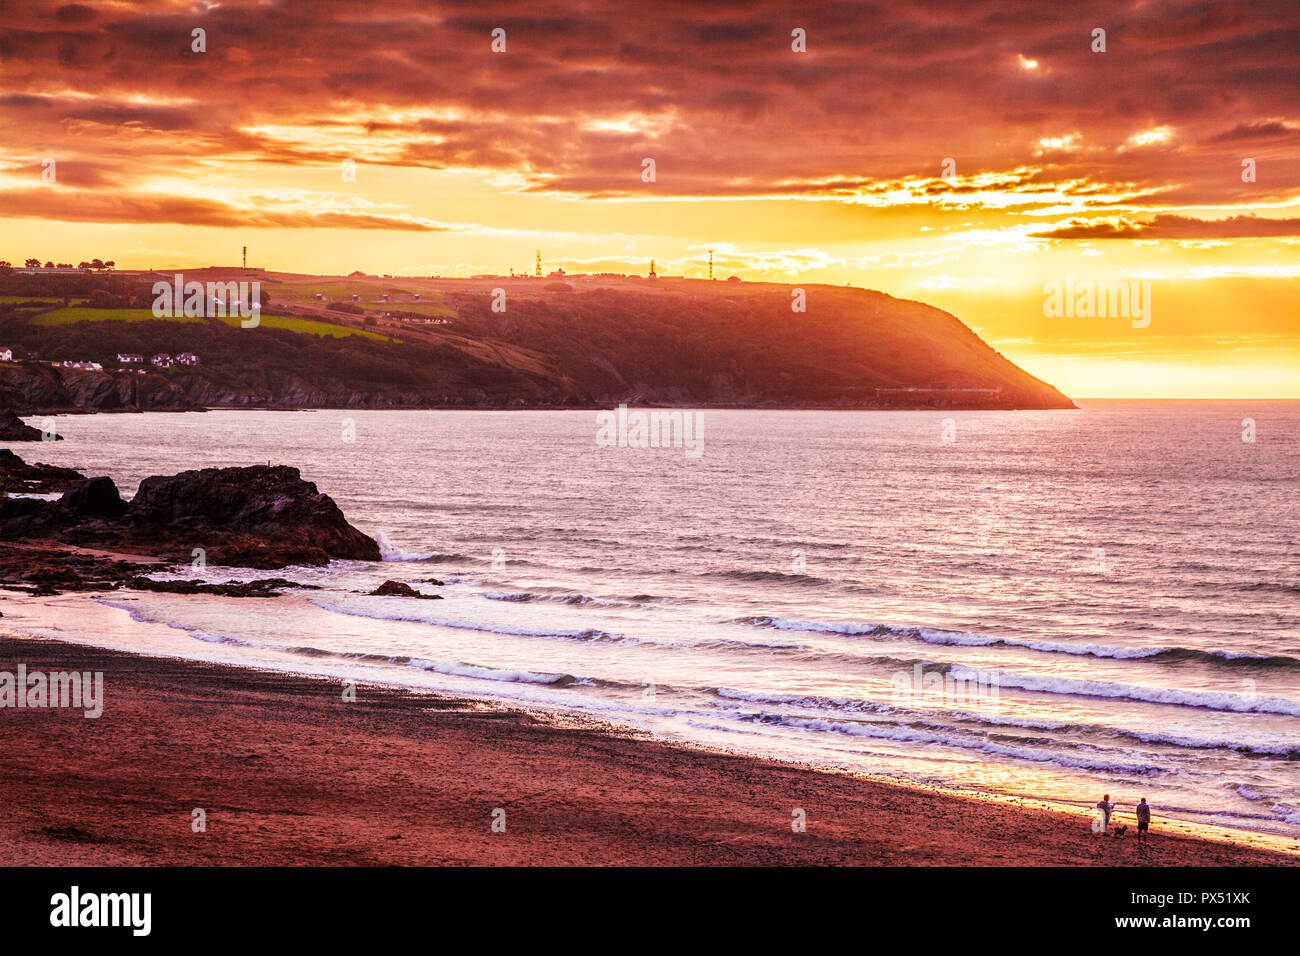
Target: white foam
1211	700
908	735
458	669
391	552
397	609
966	639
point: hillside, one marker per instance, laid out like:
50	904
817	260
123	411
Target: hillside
369	342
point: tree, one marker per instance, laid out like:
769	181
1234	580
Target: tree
83	265
32	264
49	265
97	264
110	264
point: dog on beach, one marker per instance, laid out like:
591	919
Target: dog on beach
1120	831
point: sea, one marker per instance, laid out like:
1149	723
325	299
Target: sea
1047	604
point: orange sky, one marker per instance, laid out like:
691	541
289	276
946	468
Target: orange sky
819	166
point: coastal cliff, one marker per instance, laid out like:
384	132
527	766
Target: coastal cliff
511	343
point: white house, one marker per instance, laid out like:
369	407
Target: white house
130	358
187	358
162	360
88	366
6	355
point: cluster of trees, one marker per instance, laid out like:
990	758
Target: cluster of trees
94	265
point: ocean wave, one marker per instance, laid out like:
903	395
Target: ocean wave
207	636
853	704
391	552
143	616
1182	741
723	644
981	723
1230	658
1209	700
569	598
1078	649
890	731
851	628
781	577
452	668
1281	811
411	615
1281	587
1114	652
460	669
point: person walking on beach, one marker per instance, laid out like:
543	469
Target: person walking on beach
1105	806
1144	819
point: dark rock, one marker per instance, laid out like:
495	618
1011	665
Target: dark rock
12	428
93	498
262	587
257	517
260	516
398	589
18	476
46	570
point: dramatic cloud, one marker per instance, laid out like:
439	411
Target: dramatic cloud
1174	227
713	93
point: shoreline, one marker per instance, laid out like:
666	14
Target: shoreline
594	407
288	772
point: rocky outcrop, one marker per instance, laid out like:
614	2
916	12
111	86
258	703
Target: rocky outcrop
263	516
261	587
50	570
13	428
16	476
398	589
258	517
93	498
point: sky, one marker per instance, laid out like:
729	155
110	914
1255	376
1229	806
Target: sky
970	154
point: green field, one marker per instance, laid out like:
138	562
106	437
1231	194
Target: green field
303	326
430	303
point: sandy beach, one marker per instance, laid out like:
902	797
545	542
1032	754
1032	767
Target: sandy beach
287	772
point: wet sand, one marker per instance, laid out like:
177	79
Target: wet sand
287	772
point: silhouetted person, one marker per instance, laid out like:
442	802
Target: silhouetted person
1105	806
1144	819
